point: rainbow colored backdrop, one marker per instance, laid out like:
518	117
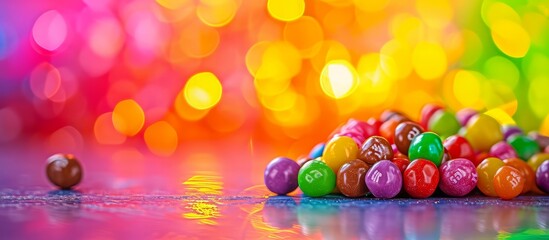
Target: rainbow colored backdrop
285	72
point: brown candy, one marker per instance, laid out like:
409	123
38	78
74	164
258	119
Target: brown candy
63	170
404	133
374	149
350	178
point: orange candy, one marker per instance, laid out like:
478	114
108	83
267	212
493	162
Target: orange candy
508	182
527	172
486	171
387	129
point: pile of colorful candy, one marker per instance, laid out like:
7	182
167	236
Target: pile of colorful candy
394	155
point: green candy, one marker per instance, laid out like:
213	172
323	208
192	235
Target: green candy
444	124
525	146
316	179
427	146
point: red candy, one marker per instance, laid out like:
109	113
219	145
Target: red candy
376	124
480	157
427	112
401	163
421	178
459	147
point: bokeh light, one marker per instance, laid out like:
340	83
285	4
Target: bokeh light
338	79
283	72
50	30
286	10
429	60
128	117
104	130
161	138
203	90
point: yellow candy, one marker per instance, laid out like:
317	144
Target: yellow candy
537	159
338	151
486	171
482	132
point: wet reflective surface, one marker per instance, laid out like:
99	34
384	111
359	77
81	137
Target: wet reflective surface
221	199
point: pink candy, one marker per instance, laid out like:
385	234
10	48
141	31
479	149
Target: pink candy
458	177
503	150
359	131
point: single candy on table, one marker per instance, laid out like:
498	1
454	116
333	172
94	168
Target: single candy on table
64	170
459	147
426	146
420	179
281	175
527	172
338	151
458	177
525	146
503	150
351	178
444	124
404	134
542	176
464	115
316	179
508	182
486	171
375	149
317	151
482	132
384	180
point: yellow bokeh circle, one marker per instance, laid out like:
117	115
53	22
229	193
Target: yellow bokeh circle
338	79
286	10
429	60
203	90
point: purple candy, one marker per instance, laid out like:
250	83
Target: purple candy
510	130
542	140
503	150
542	176
458	177
384	179
464	115
281	175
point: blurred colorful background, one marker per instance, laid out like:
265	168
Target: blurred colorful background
281	74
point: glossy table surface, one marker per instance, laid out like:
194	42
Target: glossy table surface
200	194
